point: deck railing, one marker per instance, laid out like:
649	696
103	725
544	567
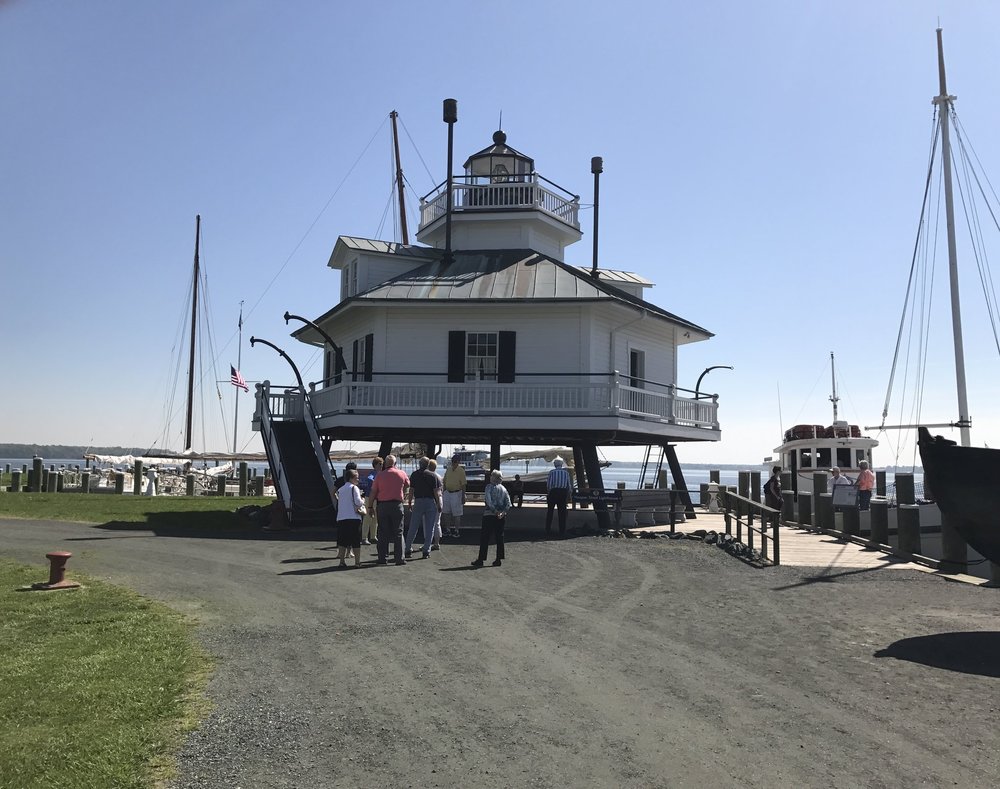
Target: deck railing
467	195
539	395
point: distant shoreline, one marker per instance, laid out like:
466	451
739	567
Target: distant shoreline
61	451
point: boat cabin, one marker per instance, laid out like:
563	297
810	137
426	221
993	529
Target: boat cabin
810	448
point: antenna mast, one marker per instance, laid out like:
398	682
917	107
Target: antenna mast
833	379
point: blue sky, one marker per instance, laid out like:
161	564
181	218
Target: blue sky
764	165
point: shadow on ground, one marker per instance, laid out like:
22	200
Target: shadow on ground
228	525
972	652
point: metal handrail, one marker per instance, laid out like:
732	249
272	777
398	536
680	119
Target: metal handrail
745	508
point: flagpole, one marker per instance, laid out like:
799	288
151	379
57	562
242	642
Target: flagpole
239	359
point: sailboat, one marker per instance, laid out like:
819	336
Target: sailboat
962	478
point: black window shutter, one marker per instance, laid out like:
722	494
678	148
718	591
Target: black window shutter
354	361
369	353
339	365
456	357
506	351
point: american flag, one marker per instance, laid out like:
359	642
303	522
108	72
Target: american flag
237	380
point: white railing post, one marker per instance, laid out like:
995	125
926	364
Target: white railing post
616	392
672	409
475	406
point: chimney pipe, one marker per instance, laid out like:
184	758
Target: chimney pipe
596	167
450	111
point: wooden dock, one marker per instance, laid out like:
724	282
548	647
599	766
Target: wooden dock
806	548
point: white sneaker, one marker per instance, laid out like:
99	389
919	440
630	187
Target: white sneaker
365	542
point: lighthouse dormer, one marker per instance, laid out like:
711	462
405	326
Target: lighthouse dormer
502	203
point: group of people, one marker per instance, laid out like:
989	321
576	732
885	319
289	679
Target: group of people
374	510
865	483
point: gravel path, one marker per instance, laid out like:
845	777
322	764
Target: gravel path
584	662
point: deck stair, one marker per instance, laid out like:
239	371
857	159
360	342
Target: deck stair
298	462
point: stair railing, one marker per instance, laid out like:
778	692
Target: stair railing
264	420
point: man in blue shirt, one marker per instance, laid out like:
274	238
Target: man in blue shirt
558	486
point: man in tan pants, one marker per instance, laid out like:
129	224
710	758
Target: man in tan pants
453	500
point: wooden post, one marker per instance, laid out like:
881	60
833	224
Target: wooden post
36	478
50	482
905	489
119	483
805	508
137	478
60	481
713	476
85	482
189	485
908	526
220	484
820	482
15	481
880	521
824	510
880	483
743	487
755	487
703	494
852	521
243	478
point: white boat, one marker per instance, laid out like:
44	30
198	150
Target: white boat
472	461
807	449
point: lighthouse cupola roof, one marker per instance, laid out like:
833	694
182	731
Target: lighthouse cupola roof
499	163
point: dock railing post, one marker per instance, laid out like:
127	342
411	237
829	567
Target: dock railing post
880	521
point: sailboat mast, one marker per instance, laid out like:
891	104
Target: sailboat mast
399	179
833	397
239	360
194	326
944	103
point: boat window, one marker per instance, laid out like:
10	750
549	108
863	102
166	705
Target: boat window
860	455
806	459
844	458
481	355
823	457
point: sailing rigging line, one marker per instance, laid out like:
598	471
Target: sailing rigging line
970	173
430	177
312	225
913	262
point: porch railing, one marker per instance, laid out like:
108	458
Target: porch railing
467	195
538	395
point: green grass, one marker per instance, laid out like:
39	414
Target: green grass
107	508
99	685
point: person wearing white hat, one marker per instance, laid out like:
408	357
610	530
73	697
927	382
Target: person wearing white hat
558	485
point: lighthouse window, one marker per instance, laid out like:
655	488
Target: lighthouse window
481	355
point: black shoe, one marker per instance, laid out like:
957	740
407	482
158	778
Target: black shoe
477	563
382	561
497	562
426	555
408	554
400	562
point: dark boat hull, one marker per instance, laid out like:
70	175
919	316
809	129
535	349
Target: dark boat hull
965	483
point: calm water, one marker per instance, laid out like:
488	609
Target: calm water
628	473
